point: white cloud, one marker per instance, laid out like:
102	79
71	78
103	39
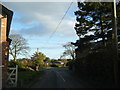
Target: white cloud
46	15
45	47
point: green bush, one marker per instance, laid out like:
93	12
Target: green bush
12	63
21	67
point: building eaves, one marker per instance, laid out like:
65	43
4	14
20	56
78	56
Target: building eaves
9	14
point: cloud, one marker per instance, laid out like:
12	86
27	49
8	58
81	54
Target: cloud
41	18
47	48
48	43
27	11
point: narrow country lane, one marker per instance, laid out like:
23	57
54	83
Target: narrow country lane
58	78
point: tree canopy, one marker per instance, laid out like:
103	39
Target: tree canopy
95	22
69	50
18	46
38	58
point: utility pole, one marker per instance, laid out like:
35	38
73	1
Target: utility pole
37	50
37	58
115	43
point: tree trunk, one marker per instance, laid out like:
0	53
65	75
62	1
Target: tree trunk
14	58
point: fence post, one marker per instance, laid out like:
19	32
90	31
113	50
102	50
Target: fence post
16	78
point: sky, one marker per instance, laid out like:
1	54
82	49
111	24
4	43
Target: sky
37	21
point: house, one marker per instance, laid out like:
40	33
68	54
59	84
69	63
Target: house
5	22
57	63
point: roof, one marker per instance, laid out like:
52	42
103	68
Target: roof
9	14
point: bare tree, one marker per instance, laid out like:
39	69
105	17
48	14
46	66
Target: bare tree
18	46
69	50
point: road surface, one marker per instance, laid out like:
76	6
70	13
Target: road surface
59	78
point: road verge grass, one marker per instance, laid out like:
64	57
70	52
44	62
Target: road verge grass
27	78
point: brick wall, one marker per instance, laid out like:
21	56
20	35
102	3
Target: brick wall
3	28
5	22
0	58
4	62
4	50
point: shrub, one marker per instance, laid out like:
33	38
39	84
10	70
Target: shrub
21	67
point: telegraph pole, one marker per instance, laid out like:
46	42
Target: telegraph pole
115	43
37	49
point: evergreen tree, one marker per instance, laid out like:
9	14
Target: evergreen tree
38	58
95	17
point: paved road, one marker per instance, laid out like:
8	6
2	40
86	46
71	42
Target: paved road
59	78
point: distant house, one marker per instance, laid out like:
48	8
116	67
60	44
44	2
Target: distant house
58	62
5	22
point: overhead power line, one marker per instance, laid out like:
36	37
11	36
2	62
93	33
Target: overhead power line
60	21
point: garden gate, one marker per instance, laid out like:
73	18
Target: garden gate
12	76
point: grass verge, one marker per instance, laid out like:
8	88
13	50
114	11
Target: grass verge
27	78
